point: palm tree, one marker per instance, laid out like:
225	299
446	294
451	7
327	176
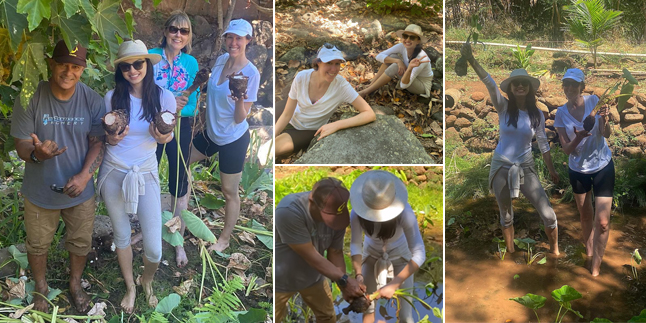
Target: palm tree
588	21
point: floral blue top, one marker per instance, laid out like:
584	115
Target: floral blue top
185	68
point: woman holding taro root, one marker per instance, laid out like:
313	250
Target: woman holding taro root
590	163
393	246
512	167
314	96
232	88
128	178
406	61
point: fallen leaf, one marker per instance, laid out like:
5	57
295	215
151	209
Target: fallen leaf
98	309
257	209
70	320
239	261
183	288
138	280
247	237
246	249
173	224
16	289
85	284
281	71
293	63
17	314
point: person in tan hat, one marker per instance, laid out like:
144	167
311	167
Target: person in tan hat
58	134
393	249
308	225
128	177
406	62
512	168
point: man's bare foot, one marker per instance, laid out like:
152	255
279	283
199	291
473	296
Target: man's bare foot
136	238
180	256
151	299
128	301
80	299
40	304
220	246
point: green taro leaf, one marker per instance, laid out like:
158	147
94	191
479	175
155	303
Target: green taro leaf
530	301
174	239
30	69
637	257
168	303
601	320
211	202
627	75
516	276
130	21
253	315
71	7
524	243
197	226
107	23
267	240
19	256
565	294
36	11
639	319
137	4
15	22
542	261
88	8
53	292
626	93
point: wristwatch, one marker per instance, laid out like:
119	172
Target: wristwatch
342	281
33	157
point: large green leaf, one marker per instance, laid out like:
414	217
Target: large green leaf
73	29
211	202
566	294
137	4
253	315
30	69
6	55
71	7
89	9
19	256
174	239
267	240
524	243
197	226
15	22
601	320
637	257
168	303
130	20
530	301
36	11
639	319
107	23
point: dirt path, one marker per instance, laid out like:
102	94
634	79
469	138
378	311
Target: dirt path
479	284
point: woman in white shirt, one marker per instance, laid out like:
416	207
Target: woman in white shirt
314	96
128	178
393	249
512	166
590	164
407	62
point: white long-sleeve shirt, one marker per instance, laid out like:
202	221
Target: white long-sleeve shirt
424	72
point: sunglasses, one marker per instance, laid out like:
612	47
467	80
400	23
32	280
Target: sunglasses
411	37
138	65
174	30
524	83
570	83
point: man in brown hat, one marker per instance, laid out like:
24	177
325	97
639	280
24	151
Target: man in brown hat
58	134
307	225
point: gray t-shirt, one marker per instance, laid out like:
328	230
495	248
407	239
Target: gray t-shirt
68	123
294	225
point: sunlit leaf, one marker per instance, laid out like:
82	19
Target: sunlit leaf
15	22
566	294
542	261
36	11
137	4
174	239
267	240
253	315
637	257
211	202
168	303
516	276
639	319
30	69
197	226
130	21
73	29
19	256
107	23
629	76
53	292
530	301
71	7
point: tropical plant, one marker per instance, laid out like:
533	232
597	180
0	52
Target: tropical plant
502	247
522	56
527	244
564	296
589	21
635	260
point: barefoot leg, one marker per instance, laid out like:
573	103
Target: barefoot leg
381	81
147	281
179	205
586	214
553	237
38	264
230	184
124	257
79	297
601	231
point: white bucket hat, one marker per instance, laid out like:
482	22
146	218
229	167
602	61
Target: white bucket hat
135	49
413	29
378	196
329	52
574	74
239	27
520	73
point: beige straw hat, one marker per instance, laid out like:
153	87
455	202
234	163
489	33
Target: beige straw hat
135	49
413	29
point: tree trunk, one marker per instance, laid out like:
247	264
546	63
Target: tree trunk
223	23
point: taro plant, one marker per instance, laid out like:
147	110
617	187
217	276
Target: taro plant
407	294
527	244
531	301
502	247
564	296
461	65
522	56
635	260
627	84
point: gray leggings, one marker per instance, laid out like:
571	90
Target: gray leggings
368	271
531	189
148	211
416	87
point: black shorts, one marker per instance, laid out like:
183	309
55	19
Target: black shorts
175	180
232	155
603	181
300	138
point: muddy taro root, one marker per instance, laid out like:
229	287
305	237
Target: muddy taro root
165	122
461	66
238	84
588	123
357	305
115	121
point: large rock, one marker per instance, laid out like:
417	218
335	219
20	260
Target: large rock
452	136
632	118
102	226
555	102
462	122
477	96
450	120
201	26
467	113
263	33
433	54
478	144
351	51
641	141
259	116
258	55
492	119
294	54
634	130
632	151
372	31
385	141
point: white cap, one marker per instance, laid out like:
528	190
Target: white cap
329	54
574	74
239	27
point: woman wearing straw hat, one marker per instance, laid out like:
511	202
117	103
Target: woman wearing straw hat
407	62
512	166
393	246
175	72
128	177
227	130
590	164
314	96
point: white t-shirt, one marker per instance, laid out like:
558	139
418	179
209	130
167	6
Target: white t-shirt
139	144
592	154
424	72
221	126
313	115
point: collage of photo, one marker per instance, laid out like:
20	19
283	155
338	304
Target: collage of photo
300	161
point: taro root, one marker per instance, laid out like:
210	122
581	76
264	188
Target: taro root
200	78
357	305
588	123
238	84
165	122
115	121
461	66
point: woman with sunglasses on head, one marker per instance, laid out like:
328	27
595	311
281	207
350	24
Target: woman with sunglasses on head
393	249
226	130
128	179
512	167
314	96
590	164
176	72
406	61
